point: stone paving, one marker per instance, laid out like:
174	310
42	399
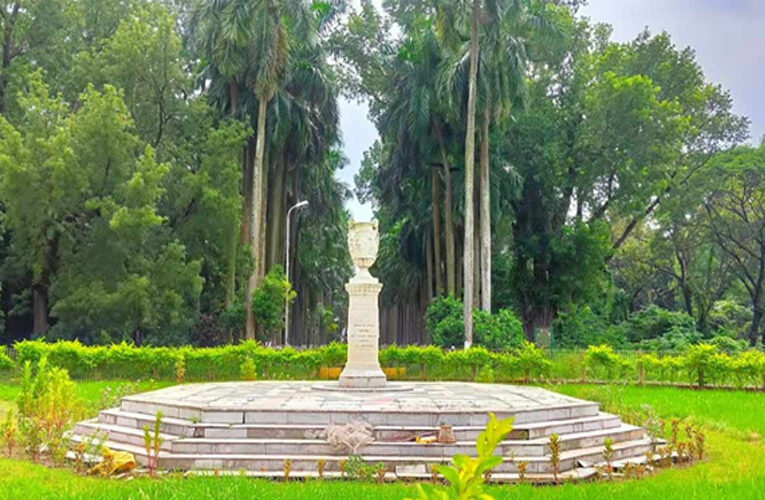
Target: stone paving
424	397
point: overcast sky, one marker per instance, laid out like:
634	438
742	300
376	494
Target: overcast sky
727	35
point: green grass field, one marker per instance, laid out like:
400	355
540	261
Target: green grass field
734	468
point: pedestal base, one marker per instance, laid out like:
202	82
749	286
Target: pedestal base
362	378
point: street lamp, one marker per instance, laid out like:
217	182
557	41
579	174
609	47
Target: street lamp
296	206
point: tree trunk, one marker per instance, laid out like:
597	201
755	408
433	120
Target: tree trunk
428	269
276	216
451	262
248	161
485	214
40	309
263	209
435	188
256	218
469	181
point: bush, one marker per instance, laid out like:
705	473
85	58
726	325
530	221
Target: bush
269	300
498	332
581	327
531	361
502	331
602	358
728	345
699	361
443	321
653	322
47	408
6	363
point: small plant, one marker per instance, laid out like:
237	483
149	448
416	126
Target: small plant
522	466
10	432
555	455
466	476
320	465
341	466
180	368
287	468
89	446
639	471
47	407
434	473
152	443
680	448
356	468
699	438
248	369
608	456
380	470
675	430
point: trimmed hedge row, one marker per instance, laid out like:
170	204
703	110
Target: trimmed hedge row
702	364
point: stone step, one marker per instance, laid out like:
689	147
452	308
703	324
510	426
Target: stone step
187	428
416	473
121	434
175	426
274	462
279	446
455	417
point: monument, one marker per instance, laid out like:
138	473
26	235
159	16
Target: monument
362	369
256	427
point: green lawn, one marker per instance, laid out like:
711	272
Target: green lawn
735	467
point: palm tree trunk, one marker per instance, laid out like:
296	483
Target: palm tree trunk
451	262
276	216
435	188
248	160
263	238
256	217
469	180
485	214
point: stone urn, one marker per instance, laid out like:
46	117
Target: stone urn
363	242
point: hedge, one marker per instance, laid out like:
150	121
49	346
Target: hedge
701	364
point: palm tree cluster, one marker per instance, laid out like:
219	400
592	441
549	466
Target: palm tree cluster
454	61
265	63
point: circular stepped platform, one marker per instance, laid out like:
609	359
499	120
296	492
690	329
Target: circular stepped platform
256	426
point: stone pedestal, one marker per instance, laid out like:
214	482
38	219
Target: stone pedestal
362	370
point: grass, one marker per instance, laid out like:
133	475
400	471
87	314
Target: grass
734	469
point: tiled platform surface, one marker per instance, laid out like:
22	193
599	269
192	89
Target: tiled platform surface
256	426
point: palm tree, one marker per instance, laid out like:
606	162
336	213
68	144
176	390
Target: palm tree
246	42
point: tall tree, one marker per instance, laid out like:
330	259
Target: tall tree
247	42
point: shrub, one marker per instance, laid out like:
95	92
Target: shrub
653	322
269	300
497	332
728	345
699	360
6	363
603	359
581	327
750	367
443	321
47	407
502	331
531	361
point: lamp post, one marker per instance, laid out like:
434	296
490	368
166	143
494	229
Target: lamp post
296	206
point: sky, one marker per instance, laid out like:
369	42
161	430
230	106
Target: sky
727	35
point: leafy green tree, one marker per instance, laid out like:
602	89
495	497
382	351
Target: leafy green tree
269	300
736	219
